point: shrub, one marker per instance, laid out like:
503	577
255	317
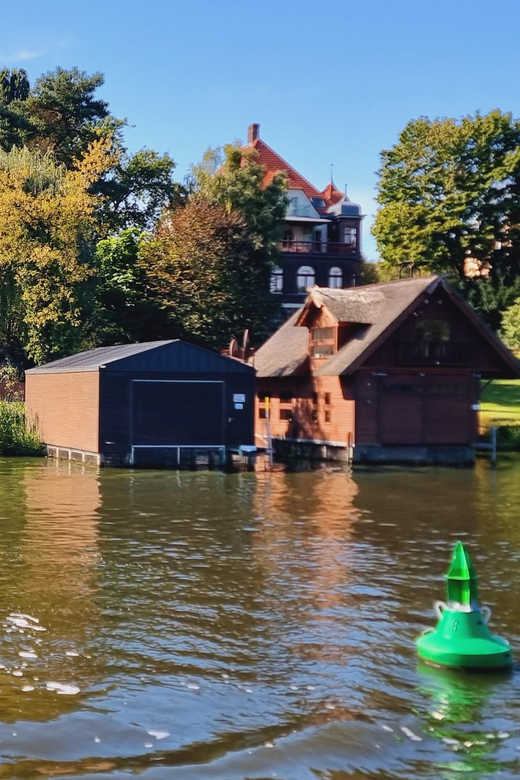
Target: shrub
15	437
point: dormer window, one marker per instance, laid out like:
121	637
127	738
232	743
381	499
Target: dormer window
323	342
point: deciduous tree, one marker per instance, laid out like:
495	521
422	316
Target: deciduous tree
449	193
206	270
48	217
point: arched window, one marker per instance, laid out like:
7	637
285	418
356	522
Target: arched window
306	278
277	280
335	277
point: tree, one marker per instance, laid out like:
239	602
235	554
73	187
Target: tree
14	91
232	179
124	310
138	189
48	218
65	114
449	194
205	267
511	326
62	115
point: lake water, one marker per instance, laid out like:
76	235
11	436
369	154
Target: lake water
202	625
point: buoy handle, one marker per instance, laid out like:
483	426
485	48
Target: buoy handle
486	614
439	607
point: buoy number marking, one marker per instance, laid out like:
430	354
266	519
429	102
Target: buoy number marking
455	625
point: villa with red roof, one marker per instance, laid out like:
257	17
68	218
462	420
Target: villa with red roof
321	243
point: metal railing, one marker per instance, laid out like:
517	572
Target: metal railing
435	353
319	248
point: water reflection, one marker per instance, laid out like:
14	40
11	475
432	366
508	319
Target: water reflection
455	716
210	625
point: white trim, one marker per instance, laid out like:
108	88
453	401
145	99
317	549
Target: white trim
189	381
318	220
177	446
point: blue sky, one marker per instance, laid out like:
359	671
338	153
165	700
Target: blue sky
330	82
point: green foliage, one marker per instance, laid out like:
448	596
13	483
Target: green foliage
17	438
65	114
206	269
449	191
138	189
511	326
124	310
48	218
232	179
75	268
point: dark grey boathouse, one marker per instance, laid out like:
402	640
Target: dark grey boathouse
160	403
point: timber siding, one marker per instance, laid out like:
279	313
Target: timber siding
393	369
65	408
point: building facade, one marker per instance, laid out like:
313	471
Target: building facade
387	372
321	242
158	403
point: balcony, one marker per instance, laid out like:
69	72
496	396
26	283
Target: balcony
319	248
435	353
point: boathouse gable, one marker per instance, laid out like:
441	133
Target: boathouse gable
154	403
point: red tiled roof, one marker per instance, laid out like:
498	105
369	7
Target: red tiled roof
274	163
331	195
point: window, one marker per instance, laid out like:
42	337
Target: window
287	238
322	334
327	399
306	278
433	330
276	280
335	278
286	414
315	407
293	206
350	236
262	413
322	350
327	415
323	342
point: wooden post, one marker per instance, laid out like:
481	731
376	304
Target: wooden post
494	445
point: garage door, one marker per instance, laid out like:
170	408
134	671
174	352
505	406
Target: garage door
177	413
426	410
448	414
401	413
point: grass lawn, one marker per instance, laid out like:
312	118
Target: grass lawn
500	403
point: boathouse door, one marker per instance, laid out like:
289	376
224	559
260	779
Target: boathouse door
426	409
177	413
401	410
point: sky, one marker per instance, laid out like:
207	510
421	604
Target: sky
329	83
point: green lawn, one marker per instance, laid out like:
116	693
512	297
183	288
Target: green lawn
500	403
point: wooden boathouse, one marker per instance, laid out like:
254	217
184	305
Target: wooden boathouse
161	403
384	373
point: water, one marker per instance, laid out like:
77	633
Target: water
249	626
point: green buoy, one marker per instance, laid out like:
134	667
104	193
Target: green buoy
461	638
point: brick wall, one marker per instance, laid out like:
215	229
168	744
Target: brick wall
322	409
65	408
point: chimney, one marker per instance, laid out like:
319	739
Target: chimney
253	133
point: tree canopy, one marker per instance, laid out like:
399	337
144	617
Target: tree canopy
212	279
48	217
